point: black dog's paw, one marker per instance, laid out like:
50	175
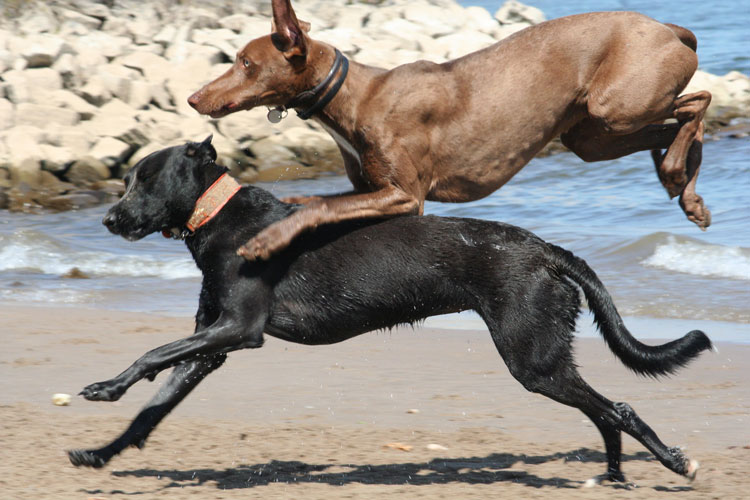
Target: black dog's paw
86	458
102	391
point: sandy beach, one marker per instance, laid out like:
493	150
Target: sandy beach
356	420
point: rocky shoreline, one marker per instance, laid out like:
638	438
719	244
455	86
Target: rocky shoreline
88	88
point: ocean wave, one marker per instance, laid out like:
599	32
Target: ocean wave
700	259
36	252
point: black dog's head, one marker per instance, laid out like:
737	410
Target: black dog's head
162	188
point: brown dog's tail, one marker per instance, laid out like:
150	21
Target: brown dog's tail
652	360
685	35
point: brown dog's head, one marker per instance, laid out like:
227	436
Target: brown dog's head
268	71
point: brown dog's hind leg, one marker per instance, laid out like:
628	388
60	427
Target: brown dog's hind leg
690	201
673	169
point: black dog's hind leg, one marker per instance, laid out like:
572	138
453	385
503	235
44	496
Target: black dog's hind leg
180	383
565	386
613	445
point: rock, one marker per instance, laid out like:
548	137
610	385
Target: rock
347	40
56	159
245	126
26	169
40	50
513	11
72	201
77	141
21	198
402	30
69	70
113	187
237	22
87	171
68	100
314	149
118	80
109	46
92	8
182	51
111	151
202	18
433	20
152	67
95	92
160	126
39	115
730	94
7	113
117	119
273	159
461	43
166	35
37	20
71	18
480	19
88	60
24	159
19	85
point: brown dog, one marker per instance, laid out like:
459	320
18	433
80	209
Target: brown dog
455	132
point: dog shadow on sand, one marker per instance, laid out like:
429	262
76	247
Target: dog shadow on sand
494	468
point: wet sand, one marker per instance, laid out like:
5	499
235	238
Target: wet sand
355	420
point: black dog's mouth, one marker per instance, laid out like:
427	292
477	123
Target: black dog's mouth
115	226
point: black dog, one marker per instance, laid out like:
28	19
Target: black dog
346	279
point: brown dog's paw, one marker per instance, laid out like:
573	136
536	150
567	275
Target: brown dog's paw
271	240
695	210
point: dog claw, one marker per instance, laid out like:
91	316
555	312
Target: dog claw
86	458
101	391
252	254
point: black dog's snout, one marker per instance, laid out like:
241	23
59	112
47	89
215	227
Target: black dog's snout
109	220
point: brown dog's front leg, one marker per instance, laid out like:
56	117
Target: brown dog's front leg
384	203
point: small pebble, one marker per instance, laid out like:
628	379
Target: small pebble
61	399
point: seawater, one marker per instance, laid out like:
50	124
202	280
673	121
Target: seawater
721	27
657	265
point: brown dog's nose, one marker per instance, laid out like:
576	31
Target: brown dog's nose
194	99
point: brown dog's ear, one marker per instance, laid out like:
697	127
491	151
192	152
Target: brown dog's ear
289	34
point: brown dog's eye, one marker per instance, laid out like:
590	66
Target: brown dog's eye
246	63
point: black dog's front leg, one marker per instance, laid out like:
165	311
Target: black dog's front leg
223	336
180	383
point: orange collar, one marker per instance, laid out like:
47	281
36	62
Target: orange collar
208	205
212	201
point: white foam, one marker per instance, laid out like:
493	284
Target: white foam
701	259
50	257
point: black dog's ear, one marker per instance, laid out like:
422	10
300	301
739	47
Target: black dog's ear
205	148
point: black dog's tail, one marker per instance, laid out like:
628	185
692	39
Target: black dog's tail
641	358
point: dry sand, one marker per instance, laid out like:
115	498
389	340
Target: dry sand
293	422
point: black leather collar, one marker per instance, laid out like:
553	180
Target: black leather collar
314	94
